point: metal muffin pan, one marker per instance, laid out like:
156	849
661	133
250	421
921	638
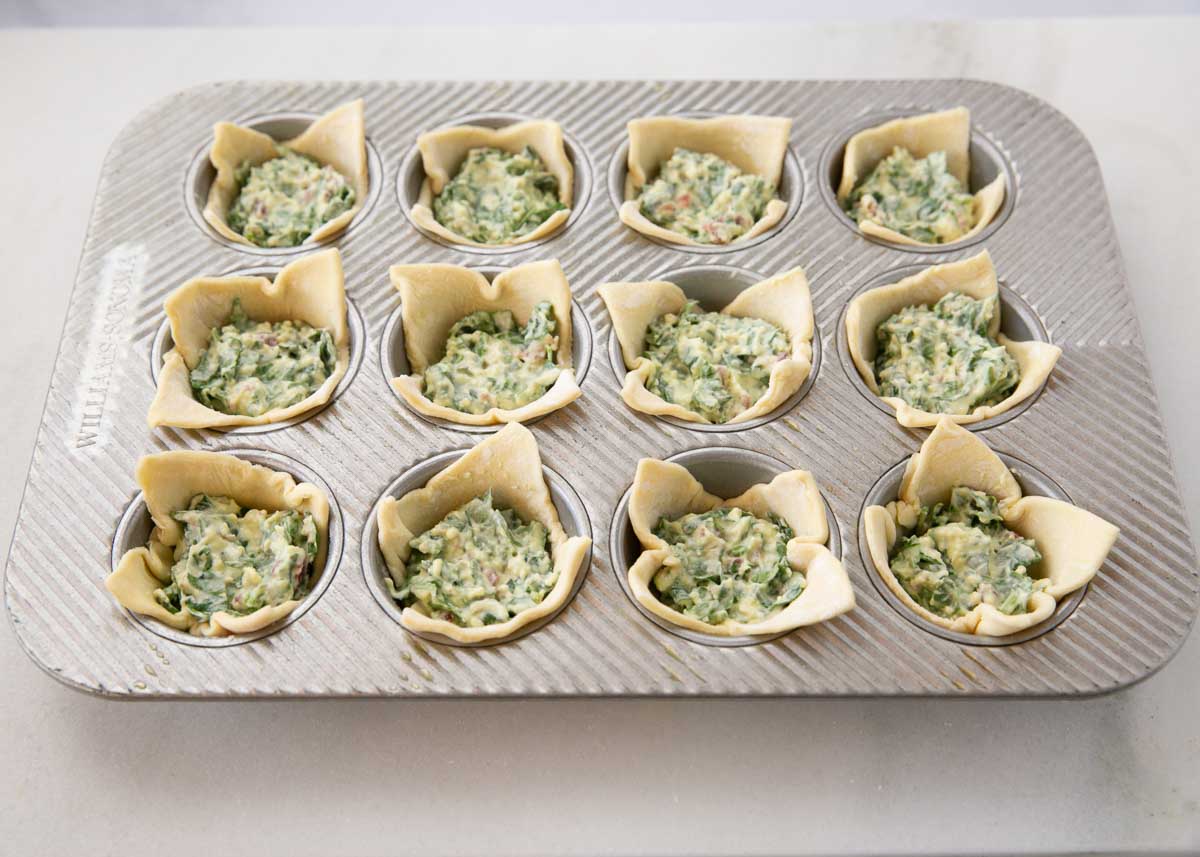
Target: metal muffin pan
279	127
393	358
725	473
715	287
790	190
411	176
571	513
987	160
1019	321
163	343
1033	482
135	525
1095	423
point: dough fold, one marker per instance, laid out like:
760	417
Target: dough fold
434	297
782	300
663	489
311	289
1073	541
974	277
509	465
169	481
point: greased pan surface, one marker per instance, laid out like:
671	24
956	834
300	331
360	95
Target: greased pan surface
1095	430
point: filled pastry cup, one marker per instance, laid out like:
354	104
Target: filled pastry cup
337	139
664	489
312	290
444	150
783	300
974	277
169	480
946	131
1073	542
508	465
434	297
754	144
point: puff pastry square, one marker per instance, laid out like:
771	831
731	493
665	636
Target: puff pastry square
663	489
434	297
753	144
337	139
783	300
974	277
507	464
169	481
444	150
948	131
311	289
1073	541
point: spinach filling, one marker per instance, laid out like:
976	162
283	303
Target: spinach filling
919	198
237	560
705	198
714	364
730	565
496	196
940	359
960	555
493	362
480	565
284	200
251	367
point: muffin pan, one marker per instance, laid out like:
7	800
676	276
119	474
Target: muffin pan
1094	430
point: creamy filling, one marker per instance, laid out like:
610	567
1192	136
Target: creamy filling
961	555
714	364
940	359
918	198
251	367
728	565
479	566
496	196
705	198
237	560
493	362
284	200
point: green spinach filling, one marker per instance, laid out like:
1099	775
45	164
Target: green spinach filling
251	367
480	565
284	200
236	560
730	565
705	198
493	362
940	359
496	196
961	555
714	364
919	198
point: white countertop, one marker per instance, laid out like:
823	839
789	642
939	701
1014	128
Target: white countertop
1115	774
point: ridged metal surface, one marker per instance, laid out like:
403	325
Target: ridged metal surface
1095	430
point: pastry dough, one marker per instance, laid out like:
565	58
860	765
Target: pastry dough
974	277
663	489
783	300
311	290
434	297
337	139
948	131
443	151
507	464
1073	542
169	480
753	144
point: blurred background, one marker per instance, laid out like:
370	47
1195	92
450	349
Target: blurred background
133	13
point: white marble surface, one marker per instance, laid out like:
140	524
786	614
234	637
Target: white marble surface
1115	774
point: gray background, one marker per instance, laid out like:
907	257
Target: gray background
1114	774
